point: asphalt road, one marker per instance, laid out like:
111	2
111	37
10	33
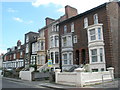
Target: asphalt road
13	84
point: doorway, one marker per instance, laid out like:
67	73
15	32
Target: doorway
77	57
83	56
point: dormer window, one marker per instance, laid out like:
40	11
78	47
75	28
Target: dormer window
95	19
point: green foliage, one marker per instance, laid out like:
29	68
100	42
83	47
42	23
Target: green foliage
1	68
47	70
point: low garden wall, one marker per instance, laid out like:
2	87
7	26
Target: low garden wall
25	75
80	78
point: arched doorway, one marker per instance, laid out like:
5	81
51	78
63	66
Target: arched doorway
77	57
83	56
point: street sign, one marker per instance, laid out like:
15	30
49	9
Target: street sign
49	63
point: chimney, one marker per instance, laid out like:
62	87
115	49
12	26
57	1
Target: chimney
49	21
70	11
18	43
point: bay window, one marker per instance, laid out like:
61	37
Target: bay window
97	55
95	33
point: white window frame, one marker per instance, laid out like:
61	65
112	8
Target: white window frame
72	27
56	41
68	59
64	44
57	28
95	55
27	39
21	53
27	48
85	22
52	41
75	39
93	35
14	56
98	54
96	27
54	28
42	45
65	29
95	18
65	59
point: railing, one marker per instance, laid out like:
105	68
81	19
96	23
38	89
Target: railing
44	67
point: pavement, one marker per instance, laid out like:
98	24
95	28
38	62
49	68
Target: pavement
47	84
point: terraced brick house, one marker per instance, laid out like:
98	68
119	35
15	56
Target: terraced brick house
14	58
30	48
91	38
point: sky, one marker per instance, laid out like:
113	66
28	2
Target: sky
18	17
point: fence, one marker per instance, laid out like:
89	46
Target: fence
80	78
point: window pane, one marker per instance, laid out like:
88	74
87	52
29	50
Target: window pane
94	70
92	31
65	29
85	22
56	41
64	41
56	57
70	58
101	54
99	33
95	19
94	52
65	58
75	39
93	37
72	27
94	58
52	56
65	61
94	55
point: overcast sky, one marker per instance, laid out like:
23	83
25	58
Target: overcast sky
19	17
